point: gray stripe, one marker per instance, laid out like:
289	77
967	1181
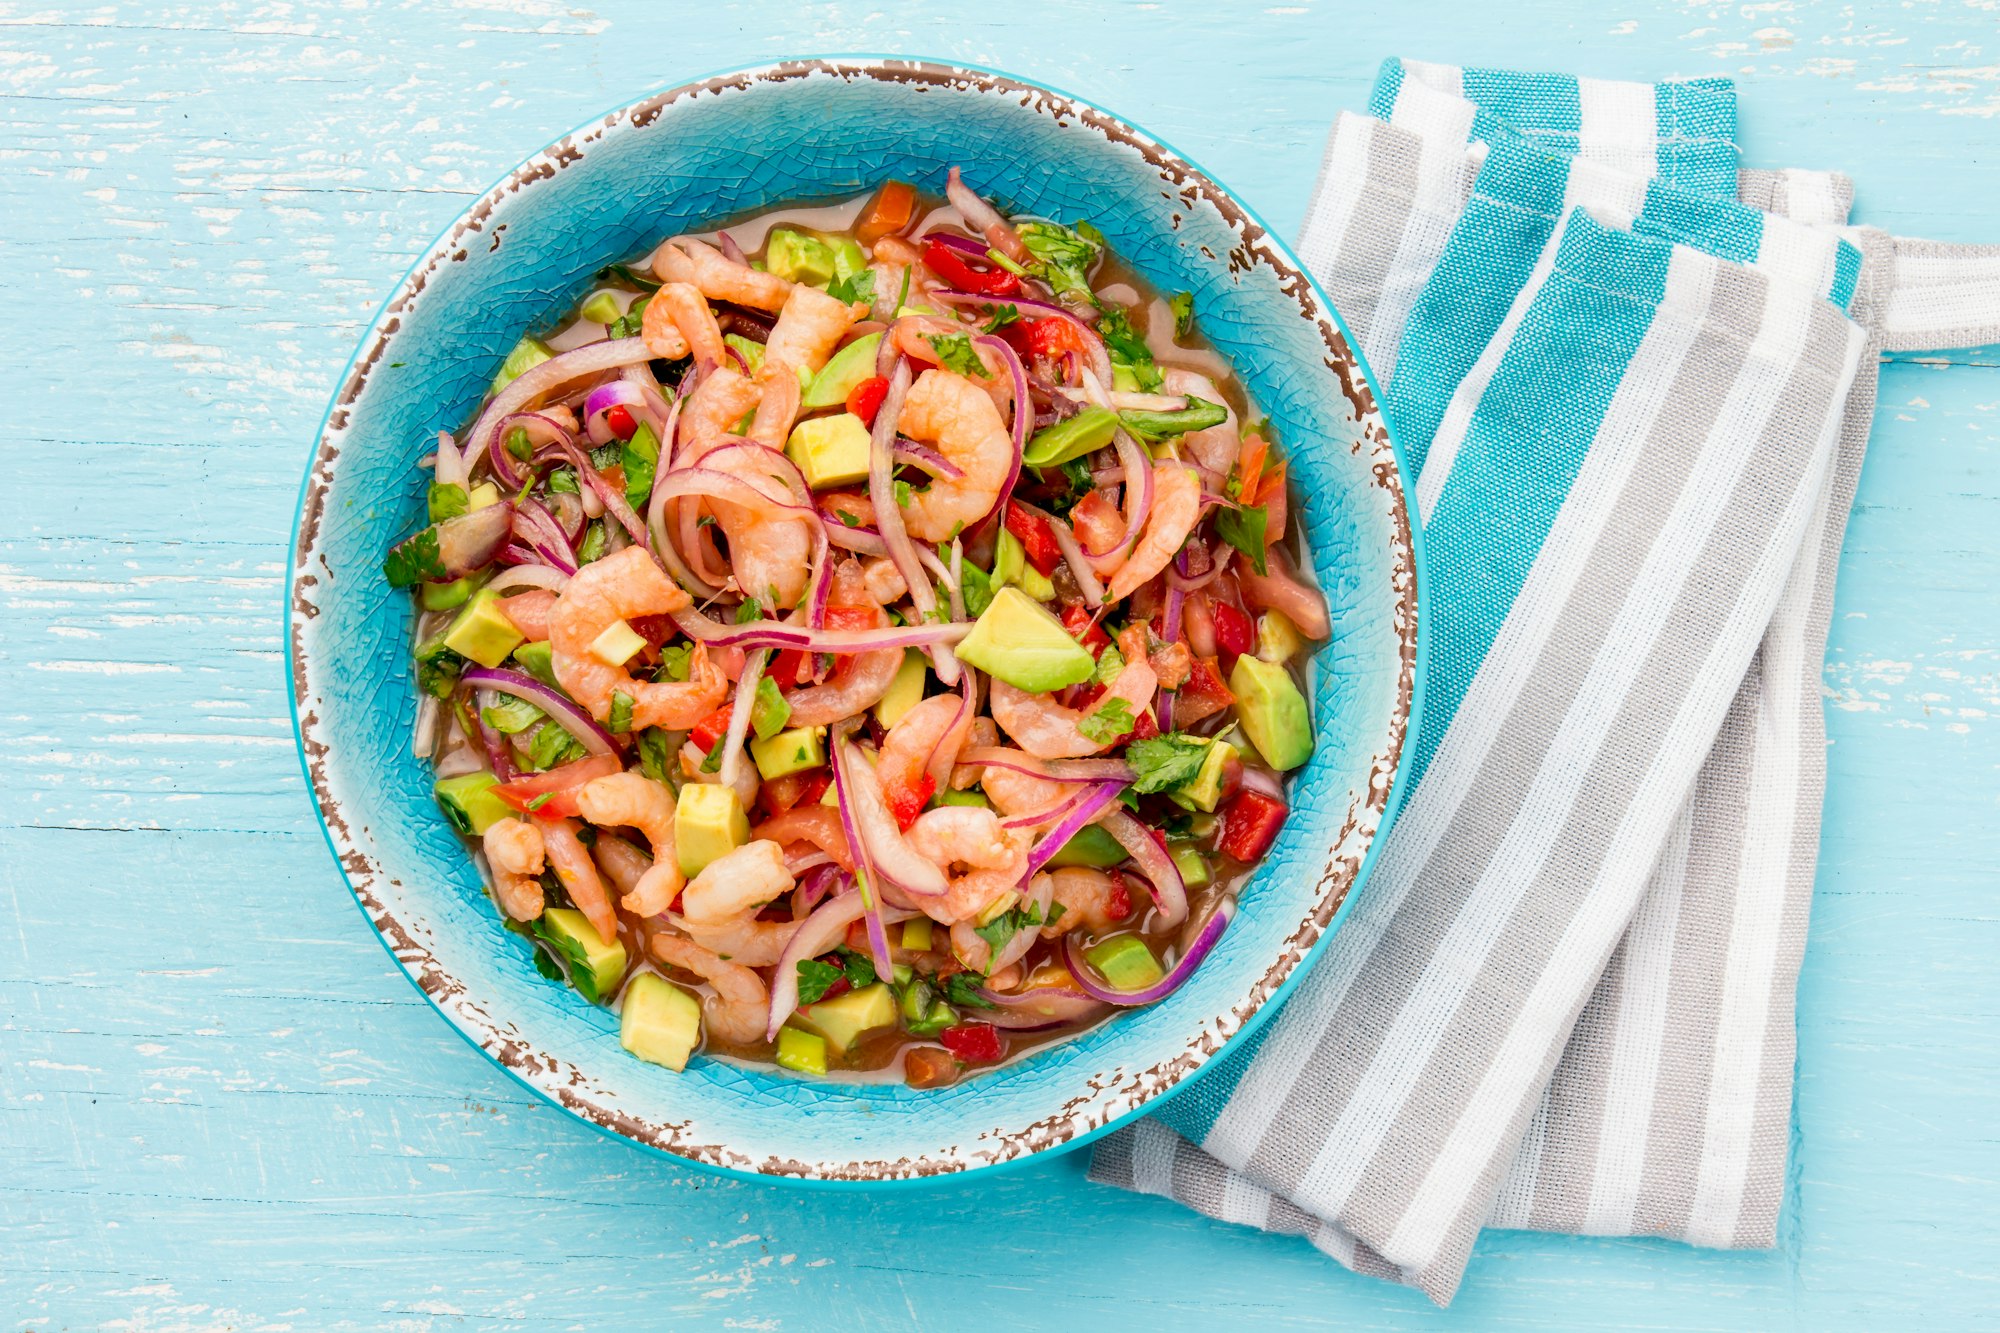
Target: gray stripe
1354	280
1111	1159
1575	1107
1931	338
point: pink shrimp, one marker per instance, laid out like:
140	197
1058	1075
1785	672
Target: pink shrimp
688	309
1089	898
1216	447
661	331
719	906
1047	730
599	595
808	329
740	1006
860	679
633	800
1281	589
981	858
1176	508
924	742
515	852
720	279
570	859
958	418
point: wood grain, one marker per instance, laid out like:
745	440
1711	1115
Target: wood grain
220	1104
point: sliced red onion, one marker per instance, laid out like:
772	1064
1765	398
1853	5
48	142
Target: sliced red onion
568	714
1042	1007
1185	582
843	642
537	556
590	359
1088	811
1087	581
965	245
448	464
826	927
528	576
730	249
1211	931
1024	411
498	754
889	517
820	876
611	497
542	431
1169	890
1264	783
864	807
928	459
738	454
537	527
471	541
986	219
620	392
869	887
1098	359
739	715
1051	770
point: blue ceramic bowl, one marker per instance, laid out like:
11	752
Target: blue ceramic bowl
685	160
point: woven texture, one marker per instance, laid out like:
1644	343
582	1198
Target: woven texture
1634	383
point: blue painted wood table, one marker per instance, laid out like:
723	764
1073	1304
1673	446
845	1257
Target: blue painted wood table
221	1105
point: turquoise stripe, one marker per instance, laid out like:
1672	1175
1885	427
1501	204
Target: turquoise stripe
1696	127
1537	105
1721	227
1846	274
1533	427
1388	82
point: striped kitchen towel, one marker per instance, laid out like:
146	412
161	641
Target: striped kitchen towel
1632	530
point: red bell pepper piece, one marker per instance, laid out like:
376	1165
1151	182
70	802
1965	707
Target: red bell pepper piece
1118	903
1051	337
619	421
973	1042
1202	695
1234	632
950	265
711	729
906	800
1250	824
1082	625
865	400
1037	538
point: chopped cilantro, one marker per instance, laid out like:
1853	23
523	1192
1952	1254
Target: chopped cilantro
595	540
447	500
1160	762
903	494
712	761
519	445
604	455
1128	348
1243	528
1182	304
655	754
845	517
1009	923
414	560
975	585
1109	663
437	667
770	710
674	662
816	979
747	610
856	286
552	746
640	456
956	353
563	481
512	716
961	989
620	720
1110	720
856	967
1063	256
1001	317
541	800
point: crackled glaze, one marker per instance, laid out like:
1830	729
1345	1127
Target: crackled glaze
679	161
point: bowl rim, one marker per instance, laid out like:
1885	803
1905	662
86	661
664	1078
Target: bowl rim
1414	637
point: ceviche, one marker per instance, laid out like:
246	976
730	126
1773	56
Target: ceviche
868	638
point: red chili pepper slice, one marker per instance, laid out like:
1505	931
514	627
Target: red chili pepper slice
711	729
619	421
948	264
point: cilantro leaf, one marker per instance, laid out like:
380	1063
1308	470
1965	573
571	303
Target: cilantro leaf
1128	348
975	585
1002	316
1182	304
447	500
512	716
816	979
604	455
1108	722
712	761
1160	762
552	746
770	710
961	990
1008	924
641	457
847	518
594	543
625	273
437	667
956	353
1063	256
1243	528
563	481
414	560
621	712
856	967
655	754
675	662
856	286
904	494
1109	663
747	610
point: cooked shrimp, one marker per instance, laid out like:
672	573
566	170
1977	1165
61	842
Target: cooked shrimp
515	852
924	742
693	757
777	405
886	583
720	279
1176	509
981	858
603	592
1216	447
621	864
1047	730
662	333
818	825
740	1007
859	679
1281	590
808	329
982	736
633	800
571	861
956	416
1016	793
692	318
1090	900
720	905
715	406
971	948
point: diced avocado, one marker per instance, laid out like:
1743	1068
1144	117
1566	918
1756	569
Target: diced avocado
792	751
595	966
800	1051
1017	641
437	666
708	824
602	308
917	934
837	378
1272	711
845	1017
905	311
1036	584
469	803
527	354
900	974
1125	962
482	631
538	660
1278	639
797	257
905	691
445	596
1088	430
1191	863
751	351
616	645
976	799
482	495
659	1022
848	256
1009	559
1123	380
1091	845
1204	789
831	451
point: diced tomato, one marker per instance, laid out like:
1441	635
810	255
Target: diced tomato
853	617
619	421
1144	728
558	784
1271	495
1234	631
1204	694
778	795
906	800
1118	903
1098	524
711	729
973	1042
655	630
865	399
815	787
1250	824
1037	538
1080	621
888	212
1051	337
530	612
957	270
790	667
928	1067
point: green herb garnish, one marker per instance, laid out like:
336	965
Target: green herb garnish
1108	722
1161	762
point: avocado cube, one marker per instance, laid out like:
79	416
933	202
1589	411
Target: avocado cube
917	934
1278	639
844	1018
659	1022
848	257
482	495
1009	559
596	965
1036	584
445	596
1091	845
538	660
1204	789
1272	711
527	354
905	691
797	257
1123	379
482	631
1086	432
616	645
709	823
602	307
752	352
469	803
800	1051
792	751
975	799
1191	863
1125	962
831	451
846	369
1015	640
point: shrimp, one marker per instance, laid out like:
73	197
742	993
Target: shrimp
1016	793
578	873
818	825
620	862
808	329
983	735
603	592
1176	507
681	303
777	408
886	583
971	948
1047	730
632	800
740	1007
716	405
1281	590
719	906
1216	447
662	333
922	745
719	279
981	858
514	850
958	417
1090	900
861	679
770	549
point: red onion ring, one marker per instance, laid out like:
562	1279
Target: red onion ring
1087	811
1050	770
590	359
620	392
1042	1007
986	219
1169	890
567	713
928	459
611	497
889	517
826	927
1211	931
